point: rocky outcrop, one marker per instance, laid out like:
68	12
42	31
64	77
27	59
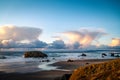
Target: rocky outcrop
34	54
104	71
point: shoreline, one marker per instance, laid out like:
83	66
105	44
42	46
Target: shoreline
63	67
77	63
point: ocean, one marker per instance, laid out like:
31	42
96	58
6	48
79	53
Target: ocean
13	61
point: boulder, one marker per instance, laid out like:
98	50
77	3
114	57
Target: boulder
34	54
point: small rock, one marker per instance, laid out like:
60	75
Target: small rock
83	54
112	54
2	57
87	63
69	60
103	54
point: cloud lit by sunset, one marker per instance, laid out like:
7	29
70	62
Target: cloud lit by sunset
84	36
18	33
115	42
63	22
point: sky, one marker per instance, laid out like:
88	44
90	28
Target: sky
87	22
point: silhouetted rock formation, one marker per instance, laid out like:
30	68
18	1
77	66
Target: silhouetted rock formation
115	54
69	60
34	54
103	54
2	57
112	54
83	54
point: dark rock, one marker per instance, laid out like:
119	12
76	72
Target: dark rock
46	60
2	57
117	56
87	63
69	60
83	54
66	77
34	54
103	54
53	58
112	54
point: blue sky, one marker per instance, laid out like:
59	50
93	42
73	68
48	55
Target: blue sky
54	16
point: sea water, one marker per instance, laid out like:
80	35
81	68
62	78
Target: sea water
15	62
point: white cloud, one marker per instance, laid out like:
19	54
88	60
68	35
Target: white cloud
84	36
16	33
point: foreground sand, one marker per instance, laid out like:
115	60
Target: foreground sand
64	67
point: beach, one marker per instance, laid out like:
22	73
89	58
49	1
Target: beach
62	67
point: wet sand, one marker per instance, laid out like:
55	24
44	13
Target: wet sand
64	67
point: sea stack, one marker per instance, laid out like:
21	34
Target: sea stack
35	54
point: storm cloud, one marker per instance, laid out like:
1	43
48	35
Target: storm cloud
57	44
14	44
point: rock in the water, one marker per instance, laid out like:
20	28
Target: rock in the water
83	54
112	54
103	54
34	54
2	57
117	55
46	60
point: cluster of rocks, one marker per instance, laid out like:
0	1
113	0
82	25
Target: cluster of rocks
115	54
47	60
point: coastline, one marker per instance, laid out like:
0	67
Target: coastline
63	67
